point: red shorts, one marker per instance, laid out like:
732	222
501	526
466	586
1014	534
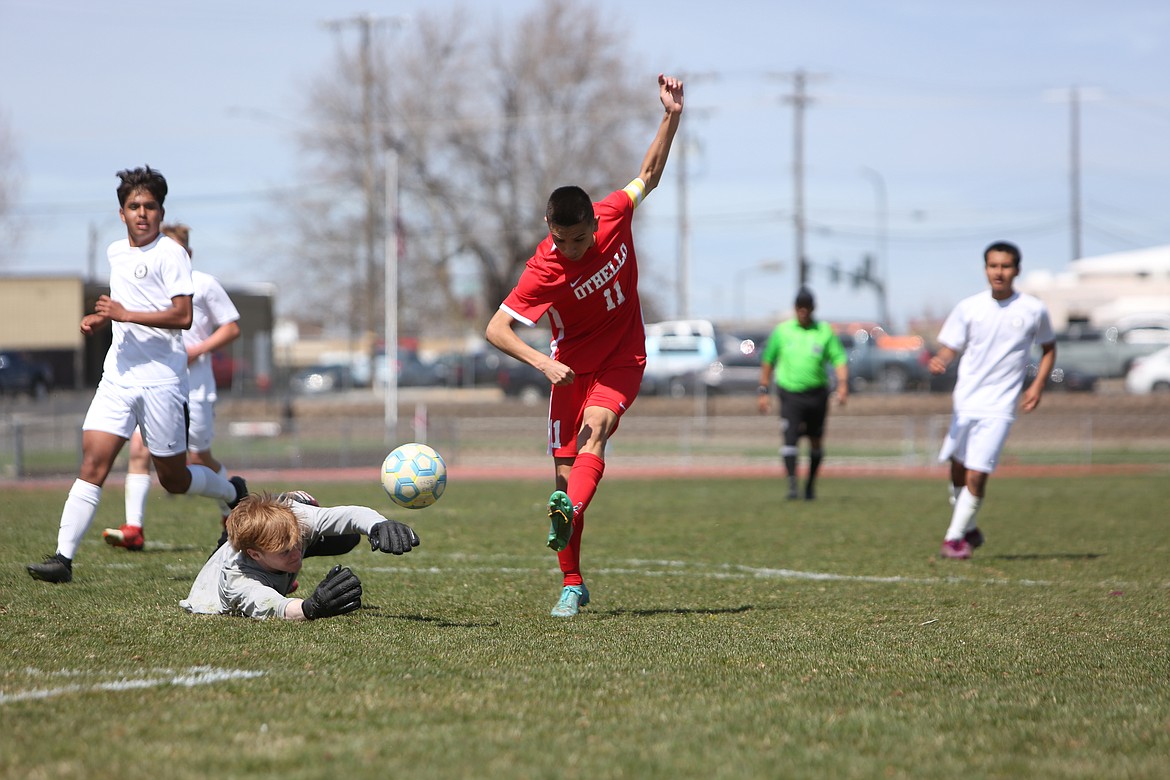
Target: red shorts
610	388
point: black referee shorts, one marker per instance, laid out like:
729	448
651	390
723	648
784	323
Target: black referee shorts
804	413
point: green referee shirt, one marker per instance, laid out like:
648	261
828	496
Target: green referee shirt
800	355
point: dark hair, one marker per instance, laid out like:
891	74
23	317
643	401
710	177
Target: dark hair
804	299
1003	246
141	179
568	206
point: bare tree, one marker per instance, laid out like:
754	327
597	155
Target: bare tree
484	122
9	190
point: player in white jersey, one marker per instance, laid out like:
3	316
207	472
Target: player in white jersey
144	379
994	331
253	574
214	324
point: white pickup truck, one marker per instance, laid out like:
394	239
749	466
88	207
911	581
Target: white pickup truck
1108	353
676	349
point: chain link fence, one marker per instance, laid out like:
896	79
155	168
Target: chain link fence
39	440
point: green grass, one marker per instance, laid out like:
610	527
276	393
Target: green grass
731	635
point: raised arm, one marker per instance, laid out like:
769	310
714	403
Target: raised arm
670	92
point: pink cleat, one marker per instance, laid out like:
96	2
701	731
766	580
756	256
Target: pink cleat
955	548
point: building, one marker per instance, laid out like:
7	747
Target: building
40	317
1123	289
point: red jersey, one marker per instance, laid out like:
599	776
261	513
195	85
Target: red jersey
592	303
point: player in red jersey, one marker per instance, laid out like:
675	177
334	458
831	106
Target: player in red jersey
584	277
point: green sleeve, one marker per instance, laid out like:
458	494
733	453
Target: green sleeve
835	351
771	353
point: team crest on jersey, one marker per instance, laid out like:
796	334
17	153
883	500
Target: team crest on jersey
140	271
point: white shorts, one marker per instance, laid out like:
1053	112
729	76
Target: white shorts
975	442
159	411
201	429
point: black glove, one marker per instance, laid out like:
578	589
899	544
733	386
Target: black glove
393	537
340	592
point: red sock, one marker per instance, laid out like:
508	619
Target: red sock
583	480
570	557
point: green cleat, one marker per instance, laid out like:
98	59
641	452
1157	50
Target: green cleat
560	515
573	597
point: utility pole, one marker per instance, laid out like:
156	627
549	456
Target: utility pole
799	100
683	271
390	301
683	145
368	290
880	268
91	254
1074	168
1075	96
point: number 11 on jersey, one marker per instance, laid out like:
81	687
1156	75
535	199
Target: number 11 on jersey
610	295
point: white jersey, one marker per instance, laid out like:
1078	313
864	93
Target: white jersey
996	339
146	278
211	309
231	583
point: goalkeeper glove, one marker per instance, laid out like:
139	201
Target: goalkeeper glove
340	592
392	536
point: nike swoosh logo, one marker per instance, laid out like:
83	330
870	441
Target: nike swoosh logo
574	282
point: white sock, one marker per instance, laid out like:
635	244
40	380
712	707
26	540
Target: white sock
953	491
963	517
223	507
80	508
137	487
205	482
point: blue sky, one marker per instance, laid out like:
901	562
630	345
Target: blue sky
958	110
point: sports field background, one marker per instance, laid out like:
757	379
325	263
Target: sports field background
732	634
480	434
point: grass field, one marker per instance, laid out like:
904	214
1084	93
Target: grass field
731	635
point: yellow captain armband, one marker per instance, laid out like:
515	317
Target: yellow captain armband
636	190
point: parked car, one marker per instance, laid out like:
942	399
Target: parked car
1150	374
879	361
21	375
228	370
676	349
322	379
1107	353
734	371
1072	380
519	380
412	370
470	369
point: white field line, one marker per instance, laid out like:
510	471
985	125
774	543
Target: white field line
727	571
151	678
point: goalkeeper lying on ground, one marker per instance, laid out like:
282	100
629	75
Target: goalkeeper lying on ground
268	536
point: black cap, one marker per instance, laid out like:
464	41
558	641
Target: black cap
804	299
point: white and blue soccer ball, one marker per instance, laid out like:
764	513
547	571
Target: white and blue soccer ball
414	476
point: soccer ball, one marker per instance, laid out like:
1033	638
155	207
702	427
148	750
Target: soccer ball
414	476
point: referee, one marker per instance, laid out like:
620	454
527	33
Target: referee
795	358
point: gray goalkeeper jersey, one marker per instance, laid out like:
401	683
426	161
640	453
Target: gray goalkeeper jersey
231	583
